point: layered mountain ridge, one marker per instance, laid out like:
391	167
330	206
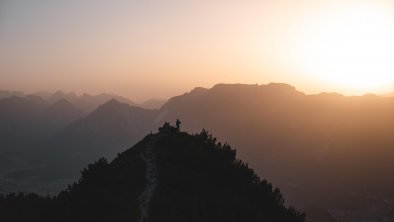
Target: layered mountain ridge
325	150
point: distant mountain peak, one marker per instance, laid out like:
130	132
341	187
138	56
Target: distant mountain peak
240	86
283	86
222	86
59	93
199	90
114	103
7	94
65	105
111	106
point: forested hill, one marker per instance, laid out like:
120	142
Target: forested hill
167	176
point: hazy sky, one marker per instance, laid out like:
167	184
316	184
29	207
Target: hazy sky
144	49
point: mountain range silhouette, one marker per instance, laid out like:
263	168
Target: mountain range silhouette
326	150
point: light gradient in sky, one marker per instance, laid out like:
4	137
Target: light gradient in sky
144	49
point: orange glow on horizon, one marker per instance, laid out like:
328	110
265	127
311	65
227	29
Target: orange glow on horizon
143	50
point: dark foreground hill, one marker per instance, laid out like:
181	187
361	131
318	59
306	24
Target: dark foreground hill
167	176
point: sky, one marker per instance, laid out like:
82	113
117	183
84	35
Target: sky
158	49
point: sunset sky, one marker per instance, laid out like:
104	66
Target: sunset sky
145	49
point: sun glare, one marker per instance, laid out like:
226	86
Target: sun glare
353	49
